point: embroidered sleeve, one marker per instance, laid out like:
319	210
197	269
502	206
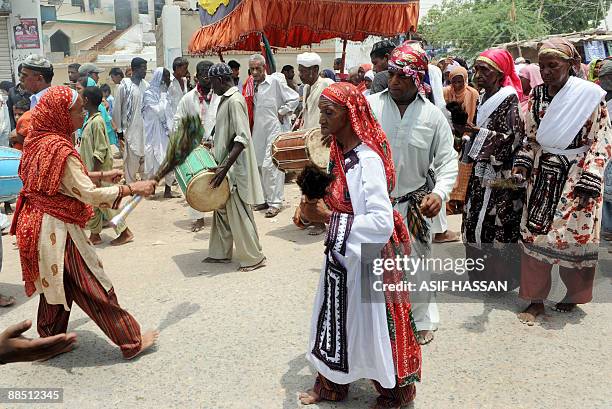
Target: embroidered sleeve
76	183
526	154
338	232
499	144
591	180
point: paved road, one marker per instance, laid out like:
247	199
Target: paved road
237	340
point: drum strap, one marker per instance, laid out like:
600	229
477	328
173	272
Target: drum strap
296	124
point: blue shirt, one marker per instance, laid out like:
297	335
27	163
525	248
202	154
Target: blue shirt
35	99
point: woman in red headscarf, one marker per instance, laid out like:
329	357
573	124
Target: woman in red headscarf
360	212
57	260
493	209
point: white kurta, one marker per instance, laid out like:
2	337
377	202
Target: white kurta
311	102
420	139
363	350
190	106
272	99
130	123
176	93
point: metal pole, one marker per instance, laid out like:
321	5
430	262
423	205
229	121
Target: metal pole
343	56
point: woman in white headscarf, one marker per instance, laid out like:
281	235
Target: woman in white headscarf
157	117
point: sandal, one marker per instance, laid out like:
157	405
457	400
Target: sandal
272	212
260	207
261	264
216	260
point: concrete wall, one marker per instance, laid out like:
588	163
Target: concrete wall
170	45
106	12
24	9
82	36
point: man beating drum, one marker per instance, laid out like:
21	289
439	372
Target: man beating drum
234	152
308	67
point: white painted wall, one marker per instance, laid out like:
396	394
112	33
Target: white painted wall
24	9
171	23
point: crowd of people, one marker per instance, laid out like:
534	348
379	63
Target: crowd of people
519	150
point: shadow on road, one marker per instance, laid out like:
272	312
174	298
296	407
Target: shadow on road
94	349
13	290
177	314
191	265
293	234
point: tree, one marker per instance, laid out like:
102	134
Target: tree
566	16
473	26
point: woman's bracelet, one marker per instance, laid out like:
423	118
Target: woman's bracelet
131	190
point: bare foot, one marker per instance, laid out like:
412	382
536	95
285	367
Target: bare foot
261	264
425	336
95	239
309	397
124	238
564	306
531	313
6	301
447	237
148	340
316	230
216	260
197	225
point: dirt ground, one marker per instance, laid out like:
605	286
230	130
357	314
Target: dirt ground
237	340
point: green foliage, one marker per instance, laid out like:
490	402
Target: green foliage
471	26
566	16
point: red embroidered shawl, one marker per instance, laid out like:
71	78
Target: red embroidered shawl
45	151
406	350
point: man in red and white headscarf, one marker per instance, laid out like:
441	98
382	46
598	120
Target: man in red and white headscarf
421	139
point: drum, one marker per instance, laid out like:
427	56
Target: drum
294	150
10	184
193	177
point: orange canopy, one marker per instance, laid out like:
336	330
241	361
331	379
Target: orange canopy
237	24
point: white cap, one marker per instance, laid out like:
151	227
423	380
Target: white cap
309	60
370	75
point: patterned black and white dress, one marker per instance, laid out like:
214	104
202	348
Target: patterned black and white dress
553	229
350	337
493	214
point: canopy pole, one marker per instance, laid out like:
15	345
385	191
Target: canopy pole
343	56
221	57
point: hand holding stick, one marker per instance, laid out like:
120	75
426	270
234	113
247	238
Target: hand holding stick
188	136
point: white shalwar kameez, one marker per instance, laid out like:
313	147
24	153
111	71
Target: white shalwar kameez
420	139
362	347
127	115
272	99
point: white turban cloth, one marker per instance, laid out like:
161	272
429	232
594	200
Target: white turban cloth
309	60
